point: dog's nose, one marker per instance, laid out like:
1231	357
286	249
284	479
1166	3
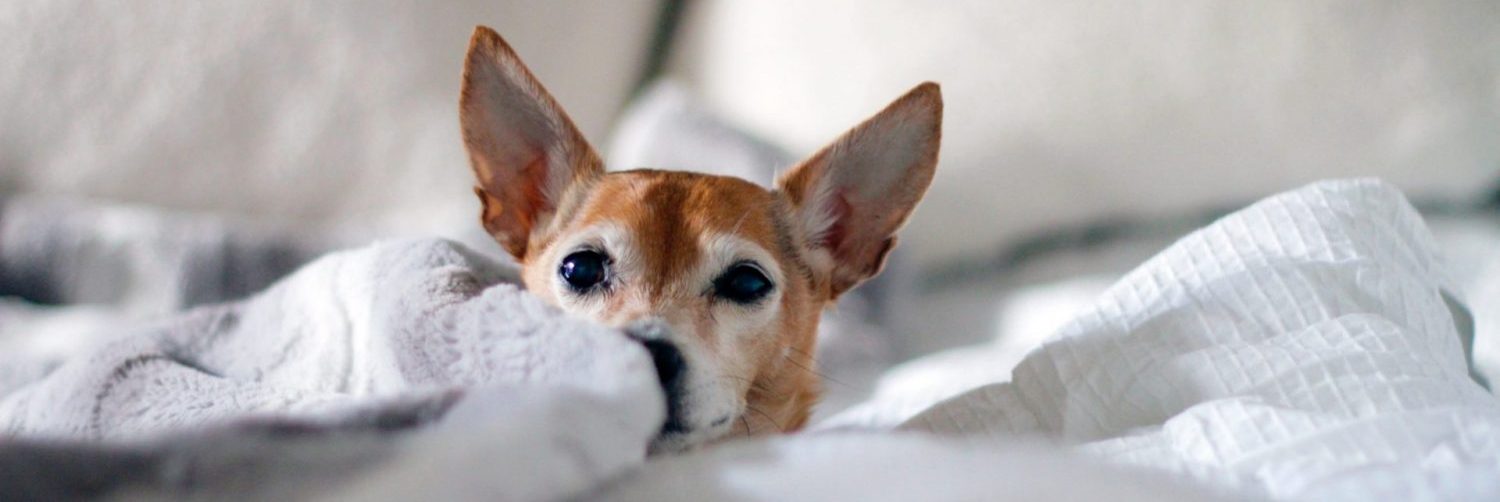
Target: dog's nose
670	368
668	361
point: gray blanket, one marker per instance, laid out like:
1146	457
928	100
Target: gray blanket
316	378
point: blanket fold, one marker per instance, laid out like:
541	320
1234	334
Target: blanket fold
1286	349
389	335
1303	348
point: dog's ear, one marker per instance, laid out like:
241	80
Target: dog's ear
854	195
525	151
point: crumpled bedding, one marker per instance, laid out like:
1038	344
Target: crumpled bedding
1300	349
350	351
1304	348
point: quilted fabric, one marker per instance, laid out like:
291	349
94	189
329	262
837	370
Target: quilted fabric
1299	348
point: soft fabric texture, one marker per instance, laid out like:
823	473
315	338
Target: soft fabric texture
893	467
1300	349
74	271
138	260
384	337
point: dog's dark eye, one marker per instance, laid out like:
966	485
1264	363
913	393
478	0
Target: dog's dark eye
742	283
584	269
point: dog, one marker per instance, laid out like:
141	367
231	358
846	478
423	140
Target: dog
721	280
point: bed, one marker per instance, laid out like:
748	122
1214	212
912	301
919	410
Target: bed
1310	346
1236	333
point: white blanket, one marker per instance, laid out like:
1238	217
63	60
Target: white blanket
1301	348
386	338
1298	349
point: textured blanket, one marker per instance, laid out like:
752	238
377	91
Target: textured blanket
1303	348
364	343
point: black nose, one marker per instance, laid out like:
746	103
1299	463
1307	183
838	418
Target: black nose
668	361
670	370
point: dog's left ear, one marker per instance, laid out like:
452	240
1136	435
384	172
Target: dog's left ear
526	152
854	195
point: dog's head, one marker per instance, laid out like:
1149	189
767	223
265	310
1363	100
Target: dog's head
721	280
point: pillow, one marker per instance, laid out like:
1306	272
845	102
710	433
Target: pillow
1065	113
315	114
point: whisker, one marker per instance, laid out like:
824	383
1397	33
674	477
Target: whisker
809	369
756	386
804	353
767	417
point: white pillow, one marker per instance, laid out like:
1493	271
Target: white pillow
1062	113
305	113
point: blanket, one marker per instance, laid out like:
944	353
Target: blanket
326	368
1302	348
1305	348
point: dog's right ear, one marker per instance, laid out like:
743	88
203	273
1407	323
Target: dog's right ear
854	195
525	151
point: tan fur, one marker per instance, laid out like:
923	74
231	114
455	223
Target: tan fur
669	208
543	190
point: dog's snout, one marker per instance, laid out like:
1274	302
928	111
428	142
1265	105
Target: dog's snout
671	368
668	361
650	328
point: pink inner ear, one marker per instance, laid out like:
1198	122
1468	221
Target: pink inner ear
839	212
534	195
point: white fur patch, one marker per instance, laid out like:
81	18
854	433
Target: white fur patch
820	213
734	321
625	263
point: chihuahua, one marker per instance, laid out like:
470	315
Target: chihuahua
721	280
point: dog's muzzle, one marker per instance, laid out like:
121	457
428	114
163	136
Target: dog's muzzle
671	368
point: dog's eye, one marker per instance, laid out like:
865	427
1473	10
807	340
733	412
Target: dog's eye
742	283
584	269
